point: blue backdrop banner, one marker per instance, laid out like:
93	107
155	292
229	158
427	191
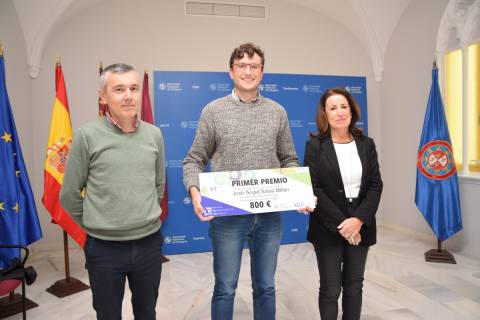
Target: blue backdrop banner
179	99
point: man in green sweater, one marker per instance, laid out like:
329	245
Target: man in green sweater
118	161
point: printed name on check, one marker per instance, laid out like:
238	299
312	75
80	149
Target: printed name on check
256	191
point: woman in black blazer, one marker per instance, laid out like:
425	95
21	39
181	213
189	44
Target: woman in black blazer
347	183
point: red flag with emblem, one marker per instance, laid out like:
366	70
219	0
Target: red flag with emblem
146	115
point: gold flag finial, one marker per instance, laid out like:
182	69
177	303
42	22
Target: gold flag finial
57	60
146	72
1	49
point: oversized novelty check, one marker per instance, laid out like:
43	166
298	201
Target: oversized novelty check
231	193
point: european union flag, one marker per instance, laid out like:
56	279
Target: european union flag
18	216
437	193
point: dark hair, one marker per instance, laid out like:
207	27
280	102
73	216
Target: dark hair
322	122
113	68
247	48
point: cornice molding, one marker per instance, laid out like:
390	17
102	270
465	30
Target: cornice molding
42	32
377	52
471	29
460	25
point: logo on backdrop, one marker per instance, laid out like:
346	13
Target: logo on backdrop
175	163
268	87
189	124
435	160
170	86
180	239
187	201
296	123
289	88
354	89
311	88
220	86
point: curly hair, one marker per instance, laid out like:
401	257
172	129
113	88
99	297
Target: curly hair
247	48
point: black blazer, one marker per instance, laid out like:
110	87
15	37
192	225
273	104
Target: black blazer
332	205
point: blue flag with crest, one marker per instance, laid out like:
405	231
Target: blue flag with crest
19	223
437	193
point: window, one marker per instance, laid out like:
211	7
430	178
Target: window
458	46
453	102
454	105
473	106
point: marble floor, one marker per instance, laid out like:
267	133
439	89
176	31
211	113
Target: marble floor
399	285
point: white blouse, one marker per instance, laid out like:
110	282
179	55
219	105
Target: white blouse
350	167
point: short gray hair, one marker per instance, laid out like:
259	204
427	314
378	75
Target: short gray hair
113	68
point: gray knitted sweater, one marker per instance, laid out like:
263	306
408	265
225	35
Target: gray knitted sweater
236	135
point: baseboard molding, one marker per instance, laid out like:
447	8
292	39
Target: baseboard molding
40	250
455	244
422	236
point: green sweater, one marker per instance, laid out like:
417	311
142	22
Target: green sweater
124	179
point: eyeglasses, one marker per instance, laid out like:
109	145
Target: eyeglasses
243	66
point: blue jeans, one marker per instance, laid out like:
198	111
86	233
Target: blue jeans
228	234
110	263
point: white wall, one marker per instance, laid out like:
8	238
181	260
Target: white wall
404	93
468	239
156	35
18	82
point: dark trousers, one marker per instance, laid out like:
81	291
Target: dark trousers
341	267
110	263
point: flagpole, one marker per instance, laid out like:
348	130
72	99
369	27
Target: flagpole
67	257
11	296
439	254
70	285
14	303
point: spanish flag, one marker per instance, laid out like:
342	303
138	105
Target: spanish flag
59	141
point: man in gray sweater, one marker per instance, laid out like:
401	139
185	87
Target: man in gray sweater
242	131
118	161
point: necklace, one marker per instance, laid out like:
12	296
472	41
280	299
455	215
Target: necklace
342	138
